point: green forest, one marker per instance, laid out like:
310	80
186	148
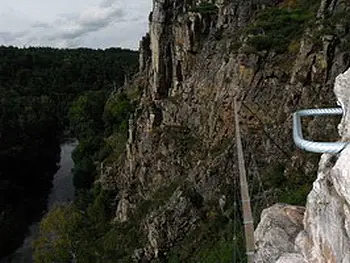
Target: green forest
46	96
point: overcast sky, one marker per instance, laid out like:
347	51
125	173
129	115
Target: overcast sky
73	23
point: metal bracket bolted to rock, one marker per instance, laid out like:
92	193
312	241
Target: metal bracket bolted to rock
341	89
311	146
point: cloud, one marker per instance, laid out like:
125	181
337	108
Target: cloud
101	16
71	43
90	20
92	23
41	25
9	37
107	3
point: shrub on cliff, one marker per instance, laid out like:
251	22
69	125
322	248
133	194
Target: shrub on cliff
275	28
205	8
116	114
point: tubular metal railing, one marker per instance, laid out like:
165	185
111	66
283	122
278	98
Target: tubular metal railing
311	146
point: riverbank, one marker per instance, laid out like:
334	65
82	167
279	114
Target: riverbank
61	192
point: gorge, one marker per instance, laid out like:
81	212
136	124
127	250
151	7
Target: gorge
158	162
177	184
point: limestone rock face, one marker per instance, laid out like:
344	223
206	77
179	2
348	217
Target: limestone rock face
276	233
181	137
342	92
163	227
144	53
291	258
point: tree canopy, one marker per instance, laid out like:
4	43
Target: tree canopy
41	90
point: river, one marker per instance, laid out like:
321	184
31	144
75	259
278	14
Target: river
61	192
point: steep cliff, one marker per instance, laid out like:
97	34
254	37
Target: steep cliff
178	179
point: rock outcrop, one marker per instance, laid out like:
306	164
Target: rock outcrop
324	235
327	219
180	163
276	233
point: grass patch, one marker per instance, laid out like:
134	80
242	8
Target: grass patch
294	188
183	137
217	239
223	145
158	198
276	28
205	8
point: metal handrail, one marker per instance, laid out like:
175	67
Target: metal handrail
311	146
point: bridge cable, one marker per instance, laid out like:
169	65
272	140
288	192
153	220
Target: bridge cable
246	206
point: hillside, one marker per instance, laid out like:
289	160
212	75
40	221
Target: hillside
38	89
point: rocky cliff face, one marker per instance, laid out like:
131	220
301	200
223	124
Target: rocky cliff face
325	237
179	171
321	234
